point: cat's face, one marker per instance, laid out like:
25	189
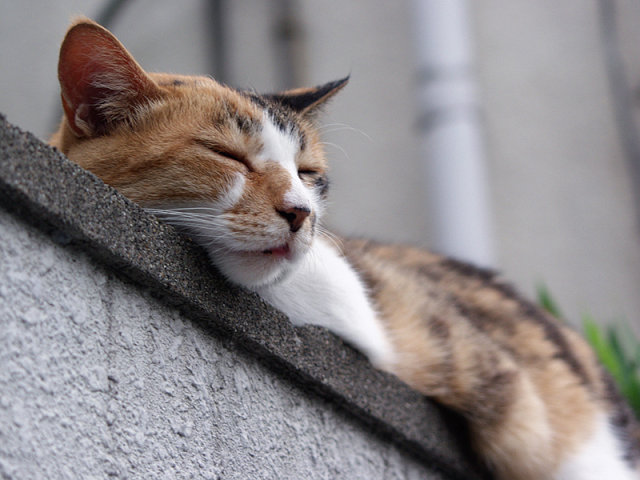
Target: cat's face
243	174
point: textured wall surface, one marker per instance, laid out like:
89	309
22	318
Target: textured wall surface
124	354
99	380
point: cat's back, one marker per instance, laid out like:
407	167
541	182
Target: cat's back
470	340
446	294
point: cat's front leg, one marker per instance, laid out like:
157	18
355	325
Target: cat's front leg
326	291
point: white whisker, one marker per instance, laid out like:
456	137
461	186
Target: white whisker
331	237
338	127
337	147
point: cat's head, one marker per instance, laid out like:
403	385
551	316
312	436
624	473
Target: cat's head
244	174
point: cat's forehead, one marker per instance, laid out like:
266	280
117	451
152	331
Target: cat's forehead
246	108
282	117
279	145
285	122
276	128
271	121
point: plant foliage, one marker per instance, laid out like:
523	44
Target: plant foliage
616	347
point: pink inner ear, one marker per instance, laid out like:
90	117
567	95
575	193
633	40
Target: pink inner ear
90	54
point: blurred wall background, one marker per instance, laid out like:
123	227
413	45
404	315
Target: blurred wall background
560	183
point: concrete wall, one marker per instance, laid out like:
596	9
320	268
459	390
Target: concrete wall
561	191
123	354
100	379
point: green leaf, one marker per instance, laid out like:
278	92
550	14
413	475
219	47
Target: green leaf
617	348
604	351
547	301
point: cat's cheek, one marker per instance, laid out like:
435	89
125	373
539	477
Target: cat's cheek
232	193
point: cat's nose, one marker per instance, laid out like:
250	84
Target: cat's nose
295	216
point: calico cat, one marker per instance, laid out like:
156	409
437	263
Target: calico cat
245	175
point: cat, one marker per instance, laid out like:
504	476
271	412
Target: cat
245	176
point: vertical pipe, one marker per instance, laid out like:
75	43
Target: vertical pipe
450	135
289	44
621	94
217	18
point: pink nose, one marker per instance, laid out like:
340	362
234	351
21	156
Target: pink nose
295	216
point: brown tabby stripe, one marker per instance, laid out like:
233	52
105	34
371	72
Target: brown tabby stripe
529	311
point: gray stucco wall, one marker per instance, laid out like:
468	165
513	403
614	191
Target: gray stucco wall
124	355
99	379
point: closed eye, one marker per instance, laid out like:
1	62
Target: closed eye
305	172
315	179
223	151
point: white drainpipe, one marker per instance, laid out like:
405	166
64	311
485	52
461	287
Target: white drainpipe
456	181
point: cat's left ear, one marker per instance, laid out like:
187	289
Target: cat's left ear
307	101
101	84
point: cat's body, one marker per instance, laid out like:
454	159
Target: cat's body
245	176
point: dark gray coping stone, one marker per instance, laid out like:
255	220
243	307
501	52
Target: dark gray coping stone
43	187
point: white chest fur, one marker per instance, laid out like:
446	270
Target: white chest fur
325	290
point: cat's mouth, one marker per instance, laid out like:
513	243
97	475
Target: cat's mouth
290	251
281	251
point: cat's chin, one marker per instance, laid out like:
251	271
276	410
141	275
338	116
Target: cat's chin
255	269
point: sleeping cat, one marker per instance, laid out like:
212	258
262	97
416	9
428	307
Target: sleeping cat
245	175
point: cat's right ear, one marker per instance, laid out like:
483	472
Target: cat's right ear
307	101
101	83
